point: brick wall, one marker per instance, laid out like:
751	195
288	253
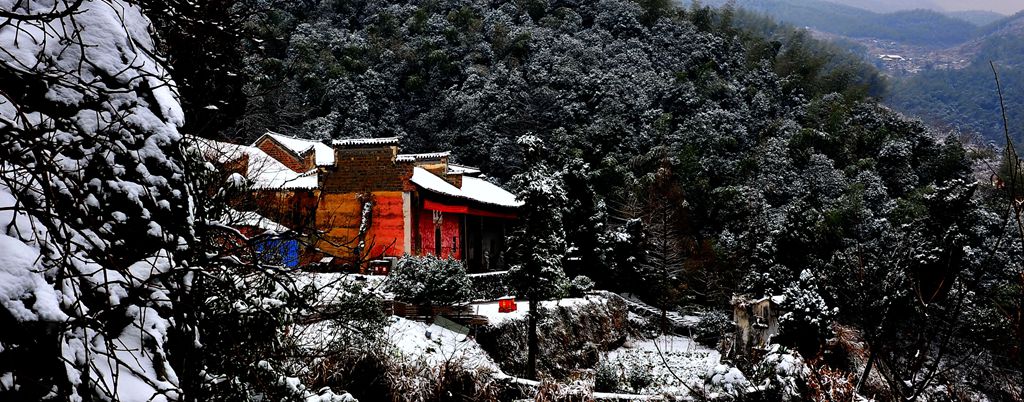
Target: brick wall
240	165
339	217
365	170
454	179
278	152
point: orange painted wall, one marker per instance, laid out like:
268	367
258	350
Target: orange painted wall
451	232
339	216
388	227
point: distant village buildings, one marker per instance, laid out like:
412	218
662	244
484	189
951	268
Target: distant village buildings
358	202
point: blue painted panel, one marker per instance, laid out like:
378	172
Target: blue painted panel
283	252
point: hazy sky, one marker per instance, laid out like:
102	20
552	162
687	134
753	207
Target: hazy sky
1001	6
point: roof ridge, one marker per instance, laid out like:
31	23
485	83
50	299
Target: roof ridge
312	143
422	155
271	132
367	141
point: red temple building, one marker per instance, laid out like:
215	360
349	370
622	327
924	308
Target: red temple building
360	200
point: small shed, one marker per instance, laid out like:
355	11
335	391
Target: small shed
757	321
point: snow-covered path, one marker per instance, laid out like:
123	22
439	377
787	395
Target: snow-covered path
680	323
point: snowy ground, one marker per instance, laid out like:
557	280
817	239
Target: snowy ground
489	309
331	285
436	345
675	363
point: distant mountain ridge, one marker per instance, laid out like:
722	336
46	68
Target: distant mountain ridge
889	6
980	12
1011	25
1002	42
960	97
966	99
919	26
980	18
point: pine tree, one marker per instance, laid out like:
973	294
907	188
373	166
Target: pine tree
585	223
537	245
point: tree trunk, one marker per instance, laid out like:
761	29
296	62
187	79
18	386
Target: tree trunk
867	370
532	347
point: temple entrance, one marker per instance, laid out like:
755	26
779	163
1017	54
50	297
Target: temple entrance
485	243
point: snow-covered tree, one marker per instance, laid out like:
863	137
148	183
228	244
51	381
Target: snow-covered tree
585	220
112	285
536	246
95	207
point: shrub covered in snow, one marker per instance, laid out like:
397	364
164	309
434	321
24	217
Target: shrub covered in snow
785	373
807	320
490	285
606	378
579	286
714	325
727	380
430	280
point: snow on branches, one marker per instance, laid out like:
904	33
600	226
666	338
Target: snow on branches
93	203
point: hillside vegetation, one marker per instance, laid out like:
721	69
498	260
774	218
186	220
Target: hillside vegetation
962	100
659	151
977	17
703	160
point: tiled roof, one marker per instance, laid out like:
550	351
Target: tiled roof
299	146
264	172
473	188
419	157
464	170
235	217
356	142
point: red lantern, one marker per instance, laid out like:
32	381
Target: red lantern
506	305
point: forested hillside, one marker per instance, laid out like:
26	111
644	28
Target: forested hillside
474	78
662	152
780	176
883	6
977	17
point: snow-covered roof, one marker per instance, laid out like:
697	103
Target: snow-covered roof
419	157
352	142
464	170
264	172
218	151
743	299
235	217
324	153
267	173
473	189
486	192
432	182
